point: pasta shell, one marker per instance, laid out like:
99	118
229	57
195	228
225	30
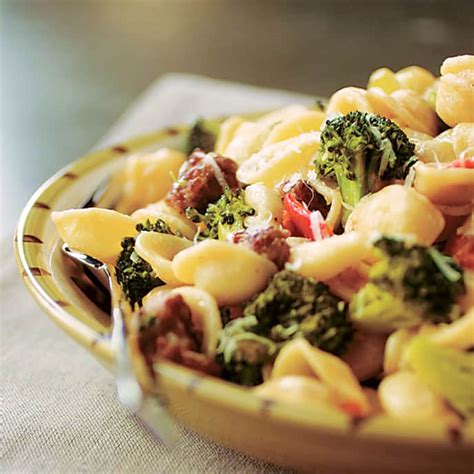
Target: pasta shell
178	222
455	96
404	395
347	100
299	357
327	258
147	178
267	204
227	132
281	160
385	79
229	272
444	186
296	389
396	209
95	232
435	150
307	121
415	78
247	140
159	250
458	335
463	140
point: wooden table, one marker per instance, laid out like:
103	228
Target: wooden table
69	68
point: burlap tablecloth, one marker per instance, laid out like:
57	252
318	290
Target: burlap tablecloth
58	407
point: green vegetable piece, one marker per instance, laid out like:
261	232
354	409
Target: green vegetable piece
409	284
223	217
360	151
296	306
242	353
448	372
135	275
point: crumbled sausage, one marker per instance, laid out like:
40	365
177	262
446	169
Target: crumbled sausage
304	192
267	241
172	333
197	184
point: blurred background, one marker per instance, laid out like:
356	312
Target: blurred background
70	68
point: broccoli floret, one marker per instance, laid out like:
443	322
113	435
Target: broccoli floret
360	151
159	226
291	306
223	217
408	285
242	353
201	135
135	275
296	306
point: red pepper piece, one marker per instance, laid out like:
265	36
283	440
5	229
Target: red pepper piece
467	163
288	224
297	217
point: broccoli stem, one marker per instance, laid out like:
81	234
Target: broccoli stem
352	190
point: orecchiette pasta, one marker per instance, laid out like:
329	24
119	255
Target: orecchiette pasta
267	204
443	185
347	283
176	220
231	273
394	349
329	257
95	232
463	140
454	143
438	149
347	100
303	122
147	178
300	358
414	78
159	250
297	389
227	132
279	161
241	139
459	334
396	209
248	138
272	118
404	395
455	95
405	108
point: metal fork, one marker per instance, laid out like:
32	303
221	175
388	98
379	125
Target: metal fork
149	407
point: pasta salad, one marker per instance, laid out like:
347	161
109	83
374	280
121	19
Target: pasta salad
318	255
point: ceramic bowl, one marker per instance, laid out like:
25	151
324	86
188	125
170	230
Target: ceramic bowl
308	439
